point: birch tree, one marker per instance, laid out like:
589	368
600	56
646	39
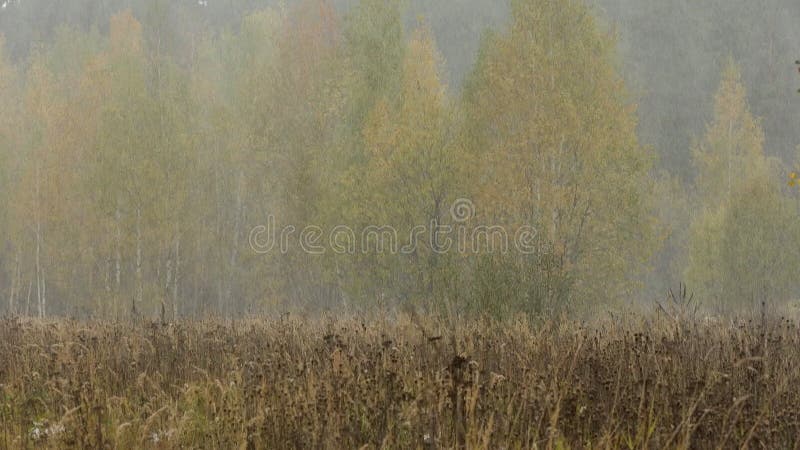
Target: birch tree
739	252
553	134
412	171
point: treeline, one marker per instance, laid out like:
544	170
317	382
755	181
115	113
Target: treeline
138	157
674	53
742	240
133	176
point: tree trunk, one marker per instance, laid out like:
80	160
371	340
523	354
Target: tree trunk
107	276
15	280
28	300
117	260
137	300
730	158
44	295
167	285
177	274
220	229
40	288
235	243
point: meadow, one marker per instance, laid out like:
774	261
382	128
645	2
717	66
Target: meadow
648	381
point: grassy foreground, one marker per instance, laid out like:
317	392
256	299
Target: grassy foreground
344	383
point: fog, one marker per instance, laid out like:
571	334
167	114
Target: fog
182	159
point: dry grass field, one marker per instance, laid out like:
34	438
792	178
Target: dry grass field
405	383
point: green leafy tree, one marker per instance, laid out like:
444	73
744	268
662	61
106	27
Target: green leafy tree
413	172
732	149
737	252
555	145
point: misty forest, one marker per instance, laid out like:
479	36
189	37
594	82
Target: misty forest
399	224
142	141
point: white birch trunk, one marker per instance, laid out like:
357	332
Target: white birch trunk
14	284
28	300
177	274
117	260
139	282
40	290
235	243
